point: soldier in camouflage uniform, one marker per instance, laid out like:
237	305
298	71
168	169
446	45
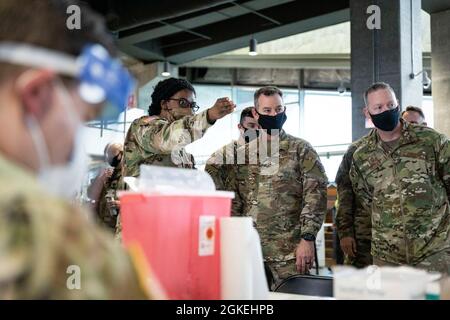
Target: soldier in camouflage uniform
222	162
352	221
159	138
402	174
108	202
282	186
45	241
42	237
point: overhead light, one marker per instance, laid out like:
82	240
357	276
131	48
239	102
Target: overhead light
426	81
166	69
253	45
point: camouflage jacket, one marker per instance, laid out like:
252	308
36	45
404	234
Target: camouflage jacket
407	191
351	218
284	192
221	164
43	241
156	141
106	212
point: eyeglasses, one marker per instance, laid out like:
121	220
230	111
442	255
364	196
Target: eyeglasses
186	104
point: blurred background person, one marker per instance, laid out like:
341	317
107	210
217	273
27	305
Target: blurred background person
221	163
108	204
95	187
414	115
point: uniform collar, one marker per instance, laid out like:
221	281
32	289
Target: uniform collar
284	142
407	136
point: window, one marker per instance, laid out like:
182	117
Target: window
223	130
327	118
95	138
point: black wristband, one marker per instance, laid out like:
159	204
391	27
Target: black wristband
309	237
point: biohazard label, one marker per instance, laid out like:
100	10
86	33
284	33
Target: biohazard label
207	235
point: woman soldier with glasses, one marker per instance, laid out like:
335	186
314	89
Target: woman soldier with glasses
160	138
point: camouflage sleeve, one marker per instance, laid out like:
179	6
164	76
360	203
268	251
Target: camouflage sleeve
360	187
444	163
237	204
345	209
163	136
215	170
314	191
220	174
53	252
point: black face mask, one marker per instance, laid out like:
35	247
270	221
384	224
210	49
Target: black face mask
272	124
387	120
250	134
116	161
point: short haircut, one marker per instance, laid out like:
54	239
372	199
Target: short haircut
267	91
247	112
43	24
414	109
375	87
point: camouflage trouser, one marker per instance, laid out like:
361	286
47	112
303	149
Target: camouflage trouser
363	257
277	271
439	262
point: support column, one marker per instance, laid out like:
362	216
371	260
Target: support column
440	66
390	53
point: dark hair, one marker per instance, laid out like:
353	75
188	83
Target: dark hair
247	112
43	23
166	89
414	109
375	87
267	91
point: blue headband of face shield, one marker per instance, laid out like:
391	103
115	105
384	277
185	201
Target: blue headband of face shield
101	78
104	79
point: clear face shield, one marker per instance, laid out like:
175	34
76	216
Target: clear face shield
100	79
